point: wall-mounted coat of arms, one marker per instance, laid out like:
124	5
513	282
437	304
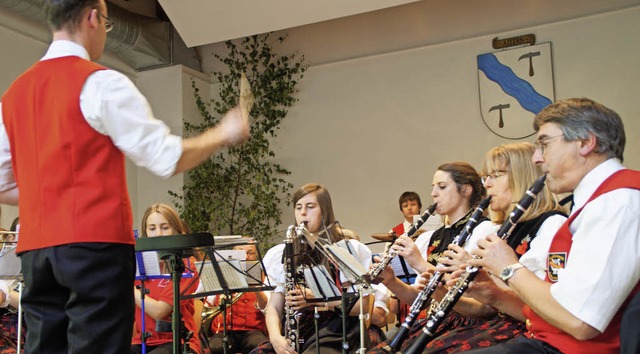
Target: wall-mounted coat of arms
514	85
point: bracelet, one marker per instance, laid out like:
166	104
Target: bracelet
255	304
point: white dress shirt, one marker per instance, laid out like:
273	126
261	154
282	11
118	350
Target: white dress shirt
604	263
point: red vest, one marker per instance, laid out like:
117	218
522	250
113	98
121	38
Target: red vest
398	229
71	178
609	340
243	316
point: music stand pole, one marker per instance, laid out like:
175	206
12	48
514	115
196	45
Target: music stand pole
362	349
143	291
143	327
316	316
345	343
19	334
226	292
225	335
177	267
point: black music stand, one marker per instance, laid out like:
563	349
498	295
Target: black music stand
350	268
356	274
220	275
172	249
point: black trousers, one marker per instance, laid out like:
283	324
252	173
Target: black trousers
519	345
630	328
240	341
78	298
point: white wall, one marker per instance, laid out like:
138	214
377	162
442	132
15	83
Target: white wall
170	94
373	127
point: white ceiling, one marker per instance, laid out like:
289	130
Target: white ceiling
202	22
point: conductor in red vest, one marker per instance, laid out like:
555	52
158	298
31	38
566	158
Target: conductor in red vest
67	124
594	259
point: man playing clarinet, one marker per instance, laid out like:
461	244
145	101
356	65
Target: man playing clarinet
594	259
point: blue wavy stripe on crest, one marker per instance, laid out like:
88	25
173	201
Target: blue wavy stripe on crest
511	84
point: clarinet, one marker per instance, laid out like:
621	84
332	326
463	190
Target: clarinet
424	295
375	271
439	313
292	317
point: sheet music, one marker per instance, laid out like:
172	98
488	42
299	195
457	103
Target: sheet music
319	280
228	240
151	263
346	259
240	255
234	278
396	265
254	272
9	263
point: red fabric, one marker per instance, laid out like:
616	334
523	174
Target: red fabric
609	341
243	316
71	178
162	290
398	229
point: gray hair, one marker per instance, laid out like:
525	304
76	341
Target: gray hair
579	117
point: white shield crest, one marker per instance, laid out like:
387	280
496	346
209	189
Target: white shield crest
514	85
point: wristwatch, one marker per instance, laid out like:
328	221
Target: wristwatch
508	271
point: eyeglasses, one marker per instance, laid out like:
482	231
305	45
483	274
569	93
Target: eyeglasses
541	144
108	25
493	176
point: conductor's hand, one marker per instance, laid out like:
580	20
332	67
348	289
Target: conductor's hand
281	345
234	127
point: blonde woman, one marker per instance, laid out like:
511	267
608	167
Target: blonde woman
162	220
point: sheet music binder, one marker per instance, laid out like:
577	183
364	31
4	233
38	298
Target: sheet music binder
225	275
351	268
319	280
231	271
148	267
254	272
403	271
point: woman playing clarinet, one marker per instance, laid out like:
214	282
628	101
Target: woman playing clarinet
457	189
507	173
313	208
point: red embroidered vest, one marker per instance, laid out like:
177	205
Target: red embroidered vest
71	178
609	341
243	316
